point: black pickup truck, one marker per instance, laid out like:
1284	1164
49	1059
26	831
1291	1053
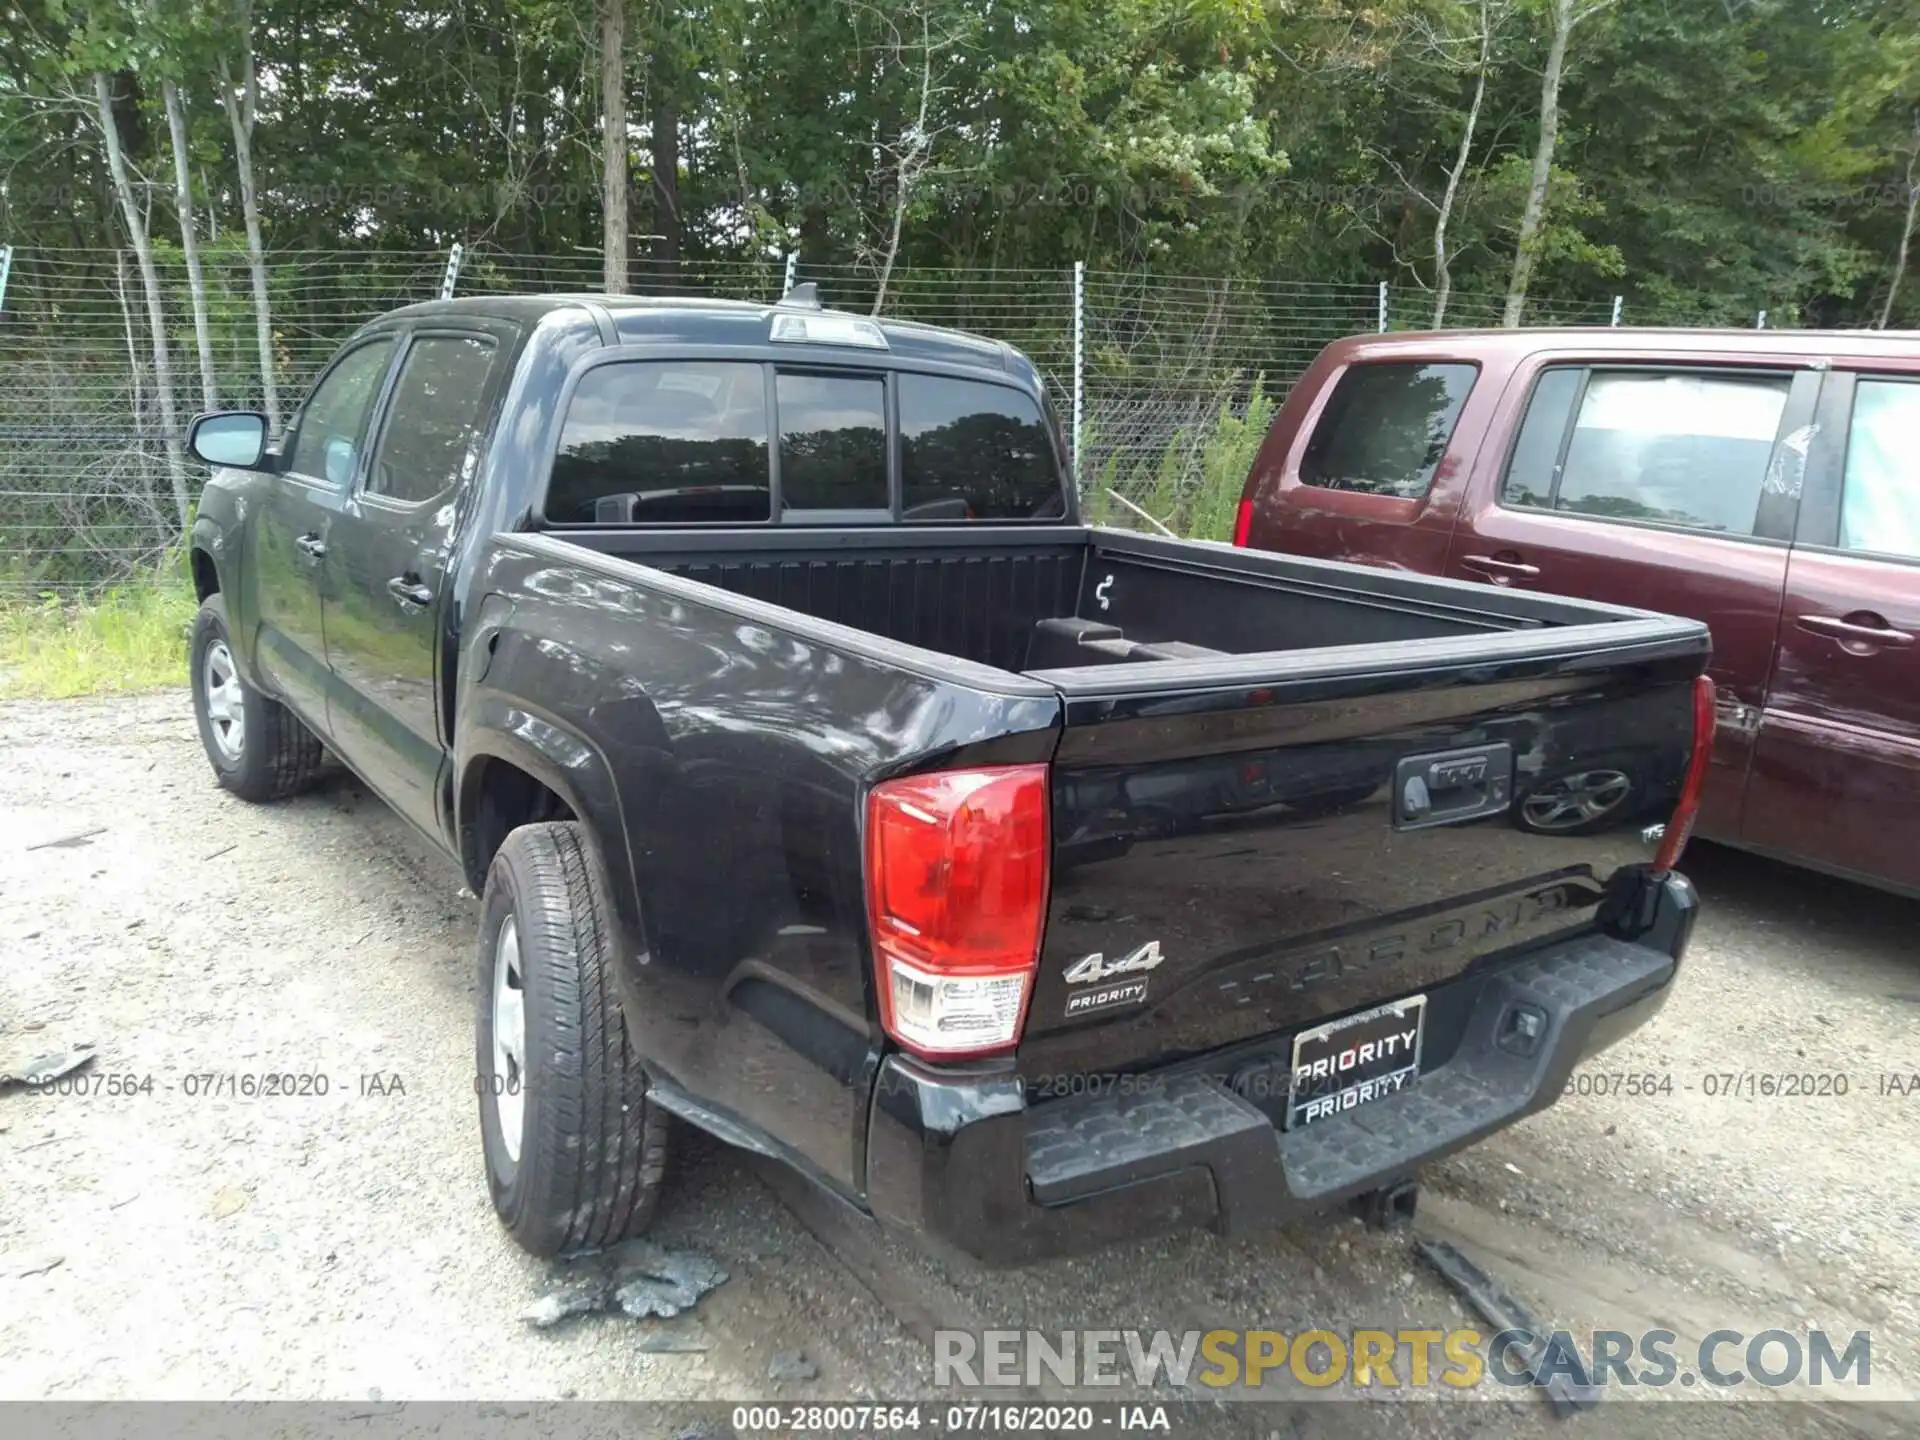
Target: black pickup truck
829	785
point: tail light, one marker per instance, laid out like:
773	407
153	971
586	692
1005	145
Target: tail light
1680	827
956	897
1243	522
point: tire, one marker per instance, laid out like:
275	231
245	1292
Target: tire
268	754
592	1153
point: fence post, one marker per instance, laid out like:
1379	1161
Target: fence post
793	269
1383	307
1760	321
6	268
452	277
1079	358
1616	310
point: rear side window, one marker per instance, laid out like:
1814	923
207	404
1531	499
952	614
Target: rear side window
971	451
833	442
1880	493
1386	428
651	442
1677	447
433	420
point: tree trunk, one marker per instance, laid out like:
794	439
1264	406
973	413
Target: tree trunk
190	243
156	314
1906	236
613	143
913	156
240	115
1535	210
1442	260
666	180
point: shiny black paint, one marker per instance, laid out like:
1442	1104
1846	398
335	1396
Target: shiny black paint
713	706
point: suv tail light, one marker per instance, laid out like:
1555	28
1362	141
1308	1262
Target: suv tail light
1243	522
1680	827
956	896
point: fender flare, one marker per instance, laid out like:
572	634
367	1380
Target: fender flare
494	727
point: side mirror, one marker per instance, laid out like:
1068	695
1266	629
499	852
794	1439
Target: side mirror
229	437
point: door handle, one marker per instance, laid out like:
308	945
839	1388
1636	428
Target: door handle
313	545
1852	630
1500	571
409	592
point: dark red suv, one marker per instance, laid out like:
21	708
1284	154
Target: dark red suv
1766	482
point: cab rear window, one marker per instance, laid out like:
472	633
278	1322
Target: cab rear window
1386	428
709	442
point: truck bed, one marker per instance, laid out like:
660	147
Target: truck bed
1059	598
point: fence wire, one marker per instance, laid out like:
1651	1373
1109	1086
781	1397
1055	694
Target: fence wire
90	495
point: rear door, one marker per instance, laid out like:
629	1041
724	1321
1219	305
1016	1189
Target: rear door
1372	473
1668	486
388	553
320	460
1836	773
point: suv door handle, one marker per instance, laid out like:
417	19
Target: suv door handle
1877	633
409	592
313	545
1498	570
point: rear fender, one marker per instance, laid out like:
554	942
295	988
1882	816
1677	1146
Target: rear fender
494	727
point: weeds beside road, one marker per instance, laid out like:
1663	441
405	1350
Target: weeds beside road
127	639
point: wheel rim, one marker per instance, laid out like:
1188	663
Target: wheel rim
509	1038
226	707
1576	799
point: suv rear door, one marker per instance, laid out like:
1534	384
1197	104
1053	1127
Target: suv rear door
1668	484
1836	768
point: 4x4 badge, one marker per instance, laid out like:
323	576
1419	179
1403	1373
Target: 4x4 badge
1097	967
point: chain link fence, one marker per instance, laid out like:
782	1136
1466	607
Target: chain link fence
1169	380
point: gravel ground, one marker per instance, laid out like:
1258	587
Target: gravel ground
175	1243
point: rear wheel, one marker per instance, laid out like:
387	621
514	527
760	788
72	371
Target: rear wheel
257	748
576	1153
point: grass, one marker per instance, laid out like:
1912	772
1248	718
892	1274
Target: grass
123	640
1194	486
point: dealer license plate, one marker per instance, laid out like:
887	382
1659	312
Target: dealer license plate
1348	1062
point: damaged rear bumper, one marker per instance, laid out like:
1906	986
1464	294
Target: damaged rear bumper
959	1157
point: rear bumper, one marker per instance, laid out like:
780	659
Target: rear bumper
961	1160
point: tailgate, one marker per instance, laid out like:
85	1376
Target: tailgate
1246	846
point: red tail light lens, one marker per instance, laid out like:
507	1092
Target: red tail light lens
1243	522
1680	827
956	898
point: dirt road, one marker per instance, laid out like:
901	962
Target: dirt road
186	1241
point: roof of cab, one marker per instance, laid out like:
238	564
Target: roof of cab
1628	342
694	320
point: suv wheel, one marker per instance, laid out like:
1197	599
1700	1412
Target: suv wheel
257	748
576	1153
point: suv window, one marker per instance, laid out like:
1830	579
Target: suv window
833	442
333	426
1880	488
433	420
972	451
1386	428
669	441
1677	447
